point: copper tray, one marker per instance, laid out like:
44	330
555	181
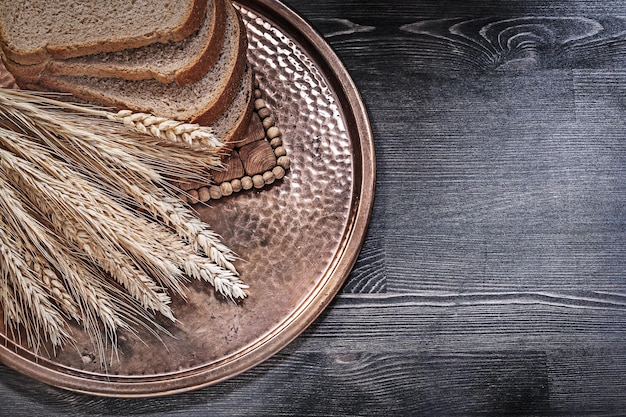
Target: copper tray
298	238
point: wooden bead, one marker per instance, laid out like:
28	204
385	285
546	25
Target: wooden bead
215	192
183	197
258	94
276	142
279	172
204	195
226	188
236	184
246	183
259	103
264	112
268	122
193	196
258	181
273	132
284	162
280	151
268	177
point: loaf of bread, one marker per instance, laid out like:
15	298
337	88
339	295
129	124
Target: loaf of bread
203	101
182	62
32	31
140	79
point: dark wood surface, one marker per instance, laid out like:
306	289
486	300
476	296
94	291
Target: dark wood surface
493	277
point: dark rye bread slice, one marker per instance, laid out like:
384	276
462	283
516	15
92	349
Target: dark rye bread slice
183	62
203	101
31	31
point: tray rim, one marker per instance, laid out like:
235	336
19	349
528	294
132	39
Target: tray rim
357	124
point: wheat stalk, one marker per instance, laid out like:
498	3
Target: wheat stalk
98	302
95	218
223	275
22	287
102	236
173	131
97	307
174	213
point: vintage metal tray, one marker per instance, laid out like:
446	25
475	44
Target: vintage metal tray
298	238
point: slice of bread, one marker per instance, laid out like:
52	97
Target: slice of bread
203	101
32	31
232	125
182	62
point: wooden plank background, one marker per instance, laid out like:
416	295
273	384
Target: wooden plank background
493	277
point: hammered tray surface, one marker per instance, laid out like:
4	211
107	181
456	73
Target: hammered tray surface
288	236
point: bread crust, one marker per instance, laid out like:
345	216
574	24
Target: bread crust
25	73
239	128
234	80
211	51
191	23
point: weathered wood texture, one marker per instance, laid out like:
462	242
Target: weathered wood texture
493	278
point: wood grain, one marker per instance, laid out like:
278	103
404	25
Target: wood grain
368	275
492	280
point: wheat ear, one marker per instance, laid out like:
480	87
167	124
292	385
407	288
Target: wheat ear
23	287
170	210
45	274
226	281
97	305
173	131
108	212
116	150
220	272
98	300
88	229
